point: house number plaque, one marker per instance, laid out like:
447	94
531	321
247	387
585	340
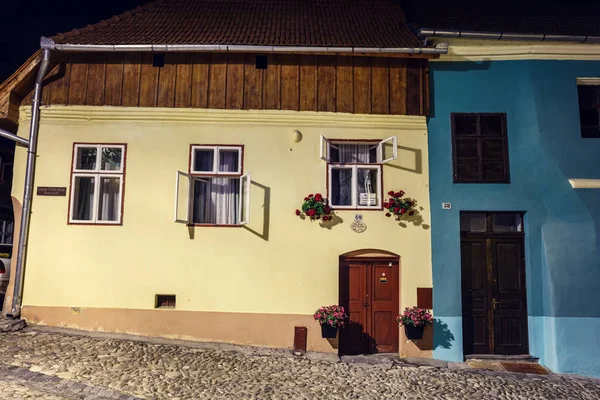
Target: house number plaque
358	225
51	191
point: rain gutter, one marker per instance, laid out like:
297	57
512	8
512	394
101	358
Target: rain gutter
48	43
34	127
445	33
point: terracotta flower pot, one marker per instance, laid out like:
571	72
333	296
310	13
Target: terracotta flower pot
328	331
414	332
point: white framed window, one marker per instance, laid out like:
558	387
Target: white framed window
354	170
97	184
216	160
215	192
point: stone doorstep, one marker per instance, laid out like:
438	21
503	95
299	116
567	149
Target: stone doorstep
11	325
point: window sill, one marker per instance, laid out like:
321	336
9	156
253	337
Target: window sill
95	223
217	225
334	208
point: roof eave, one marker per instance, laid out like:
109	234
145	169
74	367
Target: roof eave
448	33
47	43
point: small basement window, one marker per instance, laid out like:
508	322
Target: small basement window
164	301
588	91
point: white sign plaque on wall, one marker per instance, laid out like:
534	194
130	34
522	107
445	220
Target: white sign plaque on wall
358	225
446	206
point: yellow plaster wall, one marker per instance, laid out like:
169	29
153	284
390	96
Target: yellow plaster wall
219	269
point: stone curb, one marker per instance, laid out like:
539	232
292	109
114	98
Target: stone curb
249	351
58	386
11	325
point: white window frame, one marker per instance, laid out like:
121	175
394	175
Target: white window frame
245	180
216	154
325	144
98	173
354	187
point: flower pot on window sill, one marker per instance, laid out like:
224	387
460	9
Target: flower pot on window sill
328	331
414	332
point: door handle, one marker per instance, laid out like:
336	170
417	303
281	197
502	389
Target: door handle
494	302
366	305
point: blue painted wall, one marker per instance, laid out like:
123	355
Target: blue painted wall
562	224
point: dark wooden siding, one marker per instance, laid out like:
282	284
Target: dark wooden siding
363	85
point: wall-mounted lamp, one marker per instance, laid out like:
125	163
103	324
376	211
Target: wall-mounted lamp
296	136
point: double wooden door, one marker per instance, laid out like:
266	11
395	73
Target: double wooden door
369	291
494	297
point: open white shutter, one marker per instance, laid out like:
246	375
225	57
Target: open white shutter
184	185
324	148
244	203
394	142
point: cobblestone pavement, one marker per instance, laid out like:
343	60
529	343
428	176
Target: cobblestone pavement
46	365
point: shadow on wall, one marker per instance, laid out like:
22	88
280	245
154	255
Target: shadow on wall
409	159
266	206
427	342
442	336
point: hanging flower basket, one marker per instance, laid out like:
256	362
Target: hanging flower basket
398	206
414	320
315	207
330	318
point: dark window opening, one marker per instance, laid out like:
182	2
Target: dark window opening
165	301
262	62
479	148
501	222
589	110
158	60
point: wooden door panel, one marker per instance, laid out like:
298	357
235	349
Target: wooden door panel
475	299
384	307
372	305
353	292
509	292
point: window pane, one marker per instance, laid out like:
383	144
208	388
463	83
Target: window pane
465	124
356	153
493	171
588	117
466	148
507	222
590	132
367	187
83	198
216	201
588	96
341	187
110	193
229	160
9	227
86	158
491	125
467	169
471	222
492	149
111	158
204	160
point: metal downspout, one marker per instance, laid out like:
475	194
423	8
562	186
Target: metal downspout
15	311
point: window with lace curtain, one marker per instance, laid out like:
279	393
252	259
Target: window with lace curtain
97	184
354	170
215	192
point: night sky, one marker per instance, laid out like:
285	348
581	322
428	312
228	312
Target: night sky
23	22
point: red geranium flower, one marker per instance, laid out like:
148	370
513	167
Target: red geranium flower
391	192
388	214
402	211
318	197
297	212
396	209
310	195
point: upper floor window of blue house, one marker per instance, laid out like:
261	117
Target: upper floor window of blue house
479	148
588	90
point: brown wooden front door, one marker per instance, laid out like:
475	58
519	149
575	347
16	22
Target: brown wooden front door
369	291
494	297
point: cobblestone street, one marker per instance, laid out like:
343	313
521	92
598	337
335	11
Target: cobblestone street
46	365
